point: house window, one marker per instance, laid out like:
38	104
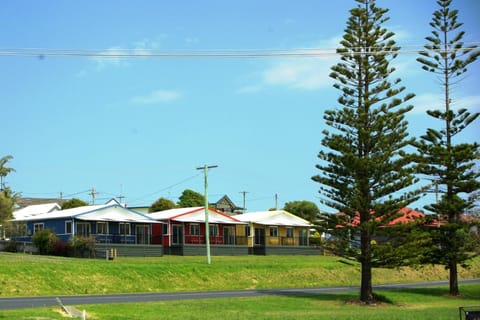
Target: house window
83	229
68	227
165	229
21	229
102	228
289	232
194	229
213	230
273	231
38	227
124	228
247	231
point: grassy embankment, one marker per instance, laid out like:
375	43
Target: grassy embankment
27	275
24	275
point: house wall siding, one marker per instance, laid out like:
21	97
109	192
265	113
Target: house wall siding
215	250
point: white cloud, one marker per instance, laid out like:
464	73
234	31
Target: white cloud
302	73
430	101
250	89
157	97
307	74
191	41
112	57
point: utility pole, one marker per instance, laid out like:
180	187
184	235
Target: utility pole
93	193
121	196
244	194
207	226
276	201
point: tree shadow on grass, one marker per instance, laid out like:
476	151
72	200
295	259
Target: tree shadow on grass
383	296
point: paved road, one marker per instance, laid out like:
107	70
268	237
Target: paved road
30	302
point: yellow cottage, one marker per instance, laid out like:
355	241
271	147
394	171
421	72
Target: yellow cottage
276	232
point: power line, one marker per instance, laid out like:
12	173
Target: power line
140	53
166	188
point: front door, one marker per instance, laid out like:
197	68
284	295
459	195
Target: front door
303	237
142	232
177	234
228	235
259	236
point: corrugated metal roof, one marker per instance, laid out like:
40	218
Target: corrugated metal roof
193	214
105	212
36	209
273	218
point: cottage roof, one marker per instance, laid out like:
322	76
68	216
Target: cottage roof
105	212
36	209
194	214
22	202
273	218
405	215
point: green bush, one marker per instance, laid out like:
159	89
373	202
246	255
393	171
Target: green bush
83	246
12	246
62	248
45	241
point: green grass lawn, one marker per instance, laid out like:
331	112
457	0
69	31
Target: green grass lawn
411	304
27	275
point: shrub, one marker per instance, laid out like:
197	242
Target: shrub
45	241
316	239
61	248
83	246
12	246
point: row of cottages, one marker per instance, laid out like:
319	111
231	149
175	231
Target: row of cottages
176	231
264	233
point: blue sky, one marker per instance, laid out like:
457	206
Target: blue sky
140	127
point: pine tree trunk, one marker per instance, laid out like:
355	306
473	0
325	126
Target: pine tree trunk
366	289
454	291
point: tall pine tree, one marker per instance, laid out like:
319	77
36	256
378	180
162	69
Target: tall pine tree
364	165
450	165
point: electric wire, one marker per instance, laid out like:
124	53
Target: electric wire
142	53
166	188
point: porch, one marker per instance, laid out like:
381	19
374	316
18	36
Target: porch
276	245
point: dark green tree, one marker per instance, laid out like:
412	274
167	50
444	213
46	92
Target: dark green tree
304	209
364	166
7	205
4	171
449	163
7	197
190	198
161	204
73	203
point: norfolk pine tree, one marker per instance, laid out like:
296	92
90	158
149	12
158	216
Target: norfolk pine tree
364	165
450	165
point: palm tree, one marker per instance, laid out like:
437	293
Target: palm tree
4	171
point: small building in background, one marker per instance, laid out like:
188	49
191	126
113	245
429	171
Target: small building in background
226	205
